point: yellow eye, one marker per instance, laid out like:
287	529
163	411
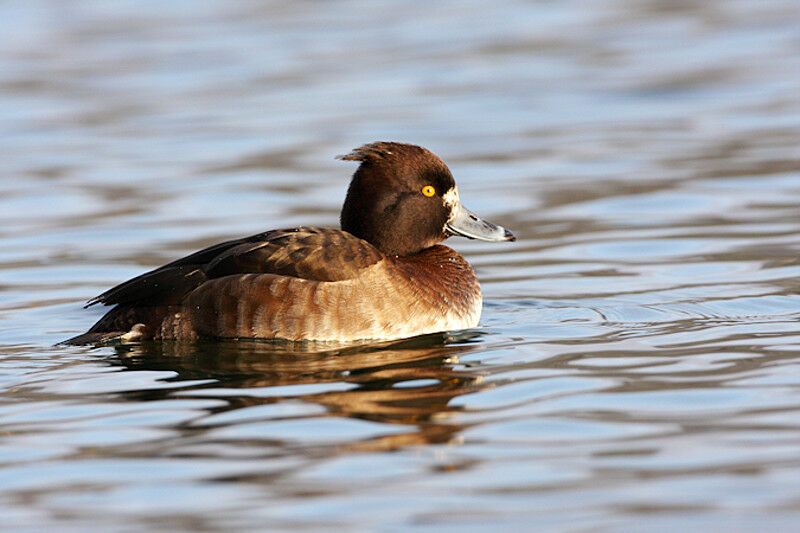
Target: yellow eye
428	190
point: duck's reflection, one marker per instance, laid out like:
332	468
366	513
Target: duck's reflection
411	382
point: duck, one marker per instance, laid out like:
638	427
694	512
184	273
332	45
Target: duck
383	276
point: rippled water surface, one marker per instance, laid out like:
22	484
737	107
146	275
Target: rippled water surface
638	360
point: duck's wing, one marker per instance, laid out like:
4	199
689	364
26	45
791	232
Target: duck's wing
320	254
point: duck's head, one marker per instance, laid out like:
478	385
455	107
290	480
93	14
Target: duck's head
403	199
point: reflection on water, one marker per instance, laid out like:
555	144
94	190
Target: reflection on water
410	383
636	364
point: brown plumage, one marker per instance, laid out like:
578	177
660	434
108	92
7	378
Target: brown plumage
381	277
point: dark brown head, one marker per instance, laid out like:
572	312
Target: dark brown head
403	199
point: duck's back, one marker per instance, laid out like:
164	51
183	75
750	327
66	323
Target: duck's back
301	283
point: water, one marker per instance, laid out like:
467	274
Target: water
638	360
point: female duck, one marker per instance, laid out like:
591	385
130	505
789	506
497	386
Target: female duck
382	276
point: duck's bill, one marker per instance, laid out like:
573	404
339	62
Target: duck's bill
469	225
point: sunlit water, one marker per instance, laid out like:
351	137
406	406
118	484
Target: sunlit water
638	360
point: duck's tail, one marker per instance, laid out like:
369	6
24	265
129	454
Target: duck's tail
123	323
97	338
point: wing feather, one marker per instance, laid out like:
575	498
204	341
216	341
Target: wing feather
320	254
